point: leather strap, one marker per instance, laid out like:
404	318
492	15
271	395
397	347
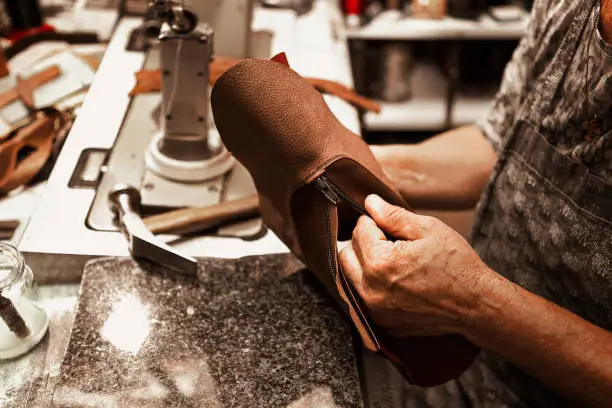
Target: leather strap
150	81
341	91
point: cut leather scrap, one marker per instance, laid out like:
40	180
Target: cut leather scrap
26	150
24	89
150	81
312	193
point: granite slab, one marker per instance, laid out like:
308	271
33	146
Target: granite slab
253	332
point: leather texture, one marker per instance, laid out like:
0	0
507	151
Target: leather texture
280	128
25	150
150	81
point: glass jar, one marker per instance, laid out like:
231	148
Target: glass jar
23	323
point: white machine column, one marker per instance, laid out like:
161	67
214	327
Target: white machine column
187	149
185	62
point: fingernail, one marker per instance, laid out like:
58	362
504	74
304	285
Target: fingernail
374	202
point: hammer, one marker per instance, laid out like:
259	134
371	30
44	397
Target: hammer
124	201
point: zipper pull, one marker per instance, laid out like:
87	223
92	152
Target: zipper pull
323	186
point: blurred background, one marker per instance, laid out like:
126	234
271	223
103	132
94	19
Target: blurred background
434	64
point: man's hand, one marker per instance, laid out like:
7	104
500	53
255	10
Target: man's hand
428	281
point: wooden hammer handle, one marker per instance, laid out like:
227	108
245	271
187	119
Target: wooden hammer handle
189	220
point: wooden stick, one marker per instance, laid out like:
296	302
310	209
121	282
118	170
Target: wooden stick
12	318
189	220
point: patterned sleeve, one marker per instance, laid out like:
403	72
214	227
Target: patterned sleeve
516	80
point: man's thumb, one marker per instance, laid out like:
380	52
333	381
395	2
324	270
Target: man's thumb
395	221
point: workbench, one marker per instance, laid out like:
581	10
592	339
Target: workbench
53	236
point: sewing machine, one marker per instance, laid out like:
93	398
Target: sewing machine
73	221
168	147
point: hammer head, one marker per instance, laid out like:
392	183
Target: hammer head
142	243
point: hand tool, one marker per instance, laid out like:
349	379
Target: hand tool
190	220
125	200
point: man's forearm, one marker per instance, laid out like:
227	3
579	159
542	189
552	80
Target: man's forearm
569	354
448	171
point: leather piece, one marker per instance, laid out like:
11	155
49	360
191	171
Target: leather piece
281	58
436	351
26	150
150	81
24	89
280	128
341	91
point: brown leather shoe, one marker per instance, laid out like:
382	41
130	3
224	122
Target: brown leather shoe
313	176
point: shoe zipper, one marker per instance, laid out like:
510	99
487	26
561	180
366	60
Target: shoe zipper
334	195
322	185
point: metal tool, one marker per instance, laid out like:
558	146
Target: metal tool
124	201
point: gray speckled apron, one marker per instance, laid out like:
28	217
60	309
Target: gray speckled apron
545	222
